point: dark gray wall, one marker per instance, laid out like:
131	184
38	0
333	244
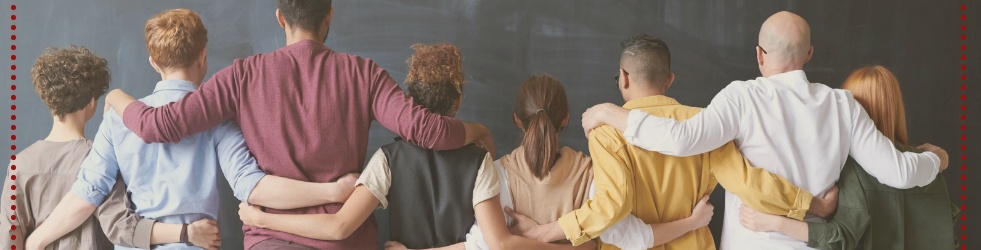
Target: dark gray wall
576	41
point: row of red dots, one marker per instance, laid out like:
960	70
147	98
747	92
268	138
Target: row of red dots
963	117
13	118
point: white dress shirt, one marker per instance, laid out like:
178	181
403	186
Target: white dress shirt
789	126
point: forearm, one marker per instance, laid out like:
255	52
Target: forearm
667	232
475	131
615	116
518	242
165	233
283	193
756	187
119	100
457	246
314	226
550	232
68	215
794	228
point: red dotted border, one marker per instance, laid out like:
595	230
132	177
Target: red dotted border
963	117
13	118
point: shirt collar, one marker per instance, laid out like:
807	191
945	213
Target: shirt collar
790	76
650	101
180	85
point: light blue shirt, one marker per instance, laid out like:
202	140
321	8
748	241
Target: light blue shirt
170	183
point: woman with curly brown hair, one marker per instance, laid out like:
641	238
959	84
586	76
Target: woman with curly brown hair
434	197
872	215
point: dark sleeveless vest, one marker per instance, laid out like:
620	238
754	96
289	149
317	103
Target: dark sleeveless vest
430	202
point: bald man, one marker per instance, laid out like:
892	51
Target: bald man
782	122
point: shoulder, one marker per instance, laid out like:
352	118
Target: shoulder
607	137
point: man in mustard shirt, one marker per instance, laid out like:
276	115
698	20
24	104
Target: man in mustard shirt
661	190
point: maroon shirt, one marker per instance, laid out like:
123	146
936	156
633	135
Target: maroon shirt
305	111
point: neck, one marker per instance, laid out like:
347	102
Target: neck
181	74
637	94
70	128
295	36
780	70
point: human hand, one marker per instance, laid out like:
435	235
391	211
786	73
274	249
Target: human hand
944	158
204	233
395	245
757	221
701	215
523	226
251	215
604	113
487	143
341	189
825	205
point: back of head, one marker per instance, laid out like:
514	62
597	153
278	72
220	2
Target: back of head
175	38
304	14
69	79
877	89
541	108
435	78
648	59
786	37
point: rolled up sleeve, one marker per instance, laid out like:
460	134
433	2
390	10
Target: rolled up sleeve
240	168
614	197
99	169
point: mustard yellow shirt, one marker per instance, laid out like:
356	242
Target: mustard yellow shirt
658	188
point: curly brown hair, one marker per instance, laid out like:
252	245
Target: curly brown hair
175	38
68	79
435	77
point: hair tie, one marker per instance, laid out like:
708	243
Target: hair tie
540	110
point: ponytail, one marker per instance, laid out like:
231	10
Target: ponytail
540	144
541	107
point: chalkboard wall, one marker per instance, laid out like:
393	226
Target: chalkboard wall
503	42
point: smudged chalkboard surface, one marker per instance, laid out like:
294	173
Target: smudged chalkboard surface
505	41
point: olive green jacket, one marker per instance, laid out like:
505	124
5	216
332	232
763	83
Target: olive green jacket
872	215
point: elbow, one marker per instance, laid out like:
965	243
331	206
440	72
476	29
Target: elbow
900	184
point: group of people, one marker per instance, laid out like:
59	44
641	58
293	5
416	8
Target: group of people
289	129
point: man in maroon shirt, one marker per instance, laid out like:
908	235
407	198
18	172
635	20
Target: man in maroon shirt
305	111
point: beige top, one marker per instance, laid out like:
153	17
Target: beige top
377	177
45	173
569	176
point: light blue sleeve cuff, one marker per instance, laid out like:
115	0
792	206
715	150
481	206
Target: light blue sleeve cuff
246	182
88	193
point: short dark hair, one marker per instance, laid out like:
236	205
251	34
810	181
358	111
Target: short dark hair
304	14
435	78
649	57
69	79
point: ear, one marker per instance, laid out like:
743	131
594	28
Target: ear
279	18
565	122
459	101
329	18
810	52
624	79
759	56
668	84
203	57
92	104
154	65
517	122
